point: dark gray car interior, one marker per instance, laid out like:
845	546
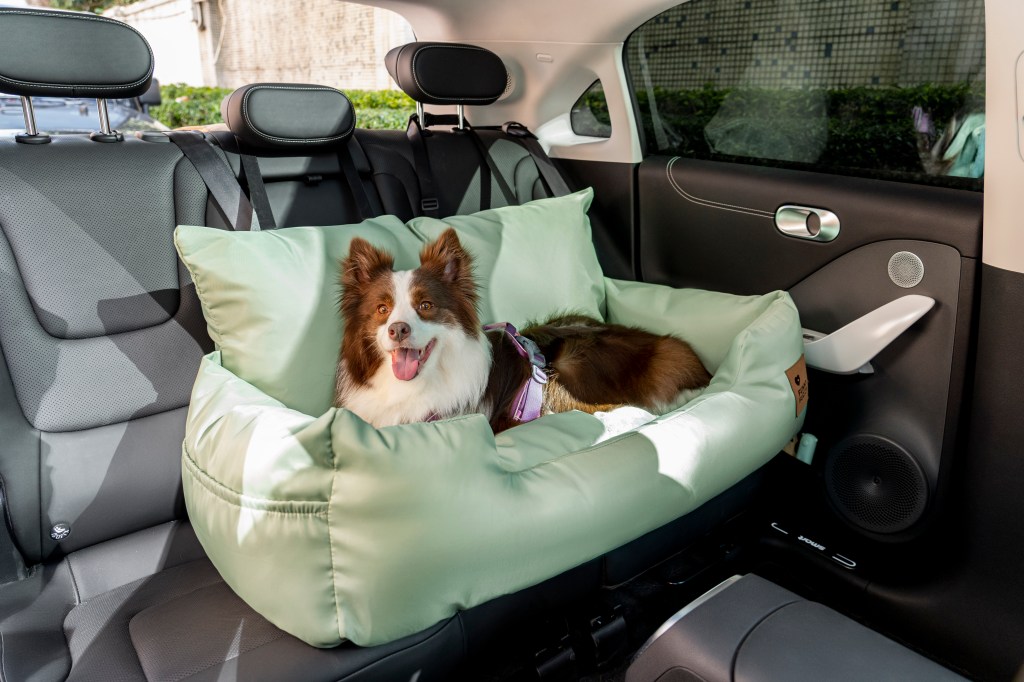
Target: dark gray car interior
101	333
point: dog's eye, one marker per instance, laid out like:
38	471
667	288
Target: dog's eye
382	309
426	305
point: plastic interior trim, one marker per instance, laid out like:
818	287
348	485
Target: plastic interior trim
683	612
849	350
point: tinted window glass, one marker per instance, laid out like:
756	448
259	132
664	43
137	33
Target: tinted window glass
589	115
891	89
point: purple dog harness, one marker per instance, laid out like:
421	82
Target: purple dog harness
530	399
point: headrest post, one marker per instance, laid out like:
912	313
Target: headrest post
462	116
30	115
101	106
105	134
419	113
31	134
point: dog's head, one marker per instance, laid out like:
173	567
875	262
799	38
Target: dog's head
406	317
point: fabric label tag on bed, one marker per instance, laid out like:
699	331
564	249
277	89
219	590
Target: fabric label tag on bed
797	375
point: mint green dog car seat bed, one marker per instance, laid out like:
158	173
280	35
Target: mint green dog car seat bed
333	529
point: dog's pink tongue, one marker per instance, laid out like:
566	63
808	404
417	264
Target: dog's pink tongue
405	363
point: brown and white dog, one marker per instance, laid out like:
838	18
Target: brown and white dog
414	349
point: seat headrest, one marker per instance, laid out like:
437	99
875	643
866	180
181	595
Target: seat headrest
447	73
71	54
276	115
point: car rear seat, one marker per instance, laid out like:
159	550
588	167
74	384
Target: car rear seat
464	179
101	334
314	179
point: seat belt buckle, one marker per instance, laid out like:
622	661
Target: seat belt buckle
429	204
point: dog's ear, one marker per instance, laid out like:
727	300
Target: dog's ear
364	261
446	255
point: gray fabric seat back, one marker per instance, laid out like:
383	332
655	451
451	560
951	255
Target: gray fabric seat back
100	329
101	335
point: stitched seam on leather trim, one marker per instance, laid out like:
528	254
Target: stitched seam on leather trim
412	68
299	140
74	581
708	203
102	20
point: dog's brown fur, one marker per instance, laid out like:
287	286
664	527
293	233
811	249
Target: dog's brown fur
594	366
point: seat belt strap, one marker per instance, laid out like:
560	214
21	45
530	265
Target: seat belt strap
220	181
552	178
253	179
429	204
354	182
506	191
250	177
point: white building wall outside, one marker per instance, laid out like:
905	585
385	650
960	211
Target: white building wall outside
229	43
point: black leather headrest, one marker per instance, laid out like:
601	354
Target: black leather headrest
71	54
288	115
447	73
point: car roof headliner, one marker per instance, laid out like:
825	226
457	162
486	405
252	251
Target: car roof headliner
534	21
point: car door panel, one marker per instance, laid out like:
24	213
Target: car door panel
710	224
904	399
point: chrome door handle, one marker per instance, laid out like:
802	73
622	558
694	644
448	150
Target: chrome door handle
802	222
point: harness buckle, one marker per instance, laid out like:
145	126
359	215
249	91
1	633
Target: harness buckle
533	353
430	204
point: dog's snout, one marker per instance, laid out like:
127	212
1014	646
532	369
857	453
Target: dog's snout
399	331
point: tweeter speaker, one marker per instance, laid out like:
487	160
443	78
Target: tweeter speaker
875	483
906	269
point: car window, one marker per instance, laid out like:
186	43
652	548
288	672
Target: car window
589	115
890	89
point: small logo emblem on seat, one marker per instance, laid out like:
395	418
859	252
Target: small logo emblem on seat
60	531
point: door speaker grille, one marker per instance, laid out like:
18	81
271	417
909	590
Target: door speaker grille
876	484
906	269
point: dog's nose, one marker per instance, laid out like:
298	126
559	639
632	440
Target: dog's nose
399	331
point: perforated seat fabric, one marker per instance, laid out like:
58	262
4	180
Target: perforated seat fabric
150	607
185	623
100	331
